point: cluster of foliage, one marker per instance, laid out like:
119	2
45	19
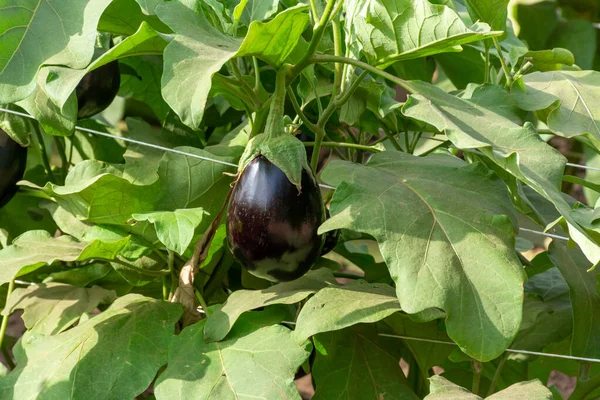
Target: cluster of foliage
430	124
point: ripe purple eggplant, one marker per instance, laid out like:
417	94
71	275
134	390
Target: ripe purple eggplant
13	159
98	89
271	227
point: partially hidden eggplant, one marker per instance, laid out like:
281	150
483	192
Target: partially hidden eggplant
13	159
271	226
331	239
97	90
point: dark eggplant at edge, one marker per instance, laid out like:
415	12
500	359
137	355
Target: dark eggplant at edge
271	228
13	159
331	239
98	89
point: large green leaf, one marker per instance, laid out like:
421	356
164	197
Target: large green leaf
394	30
199	50
356	363
443	389
99	192
50	308
486	120
146	41
492	12
275	40
114	355
334	308
257	364
445	230
585	299
175	229
34	249
240	301
196	53
37	32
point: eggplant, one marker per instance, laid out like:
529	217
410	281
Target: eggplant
97	90
13	159
271	226
331	239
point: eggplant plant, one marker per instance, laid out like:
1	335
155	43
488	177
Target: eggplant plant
375	199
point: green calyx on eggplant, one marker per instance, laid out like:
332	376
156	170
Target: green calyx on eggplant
13	159
271	224
97	90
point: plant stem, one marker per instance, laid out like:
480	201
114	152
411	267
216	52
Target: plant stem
392	139
486	76
313	9
299	111
371	149
43	153
4	325
61	148
202	302
477	370
249	91
256	74
138	269
318	32
337	43
497	374
509	79
171	264
585	387
274	126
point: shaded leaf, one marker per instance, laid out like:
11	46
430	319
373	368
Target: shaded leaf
121	349
50	308
441	388
34	249
240	301
44	32
356	363
250	364
334	308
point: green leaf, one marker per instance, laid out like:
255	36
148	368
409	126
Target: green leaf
579	37
427	354
196	53
146	41
394	30
550	60
145	87
443	389
99	192
44	32
571	98
584	297
546	312
492	12
17	127
115	354
248	11
240	301
449	243
175	229
250	364
50	308
34	249
356	363
485	120
275	40
335	308
124	17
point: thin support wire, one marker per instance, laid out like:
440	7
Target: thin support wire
518	351
550	235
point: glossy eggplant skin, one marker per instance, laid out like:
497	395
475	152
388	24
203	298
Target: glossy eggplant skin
331	239
13	159
97	90
271	228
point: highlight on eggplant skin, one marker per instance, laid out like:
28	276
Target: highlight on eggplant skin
271	228
97	90
13	159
